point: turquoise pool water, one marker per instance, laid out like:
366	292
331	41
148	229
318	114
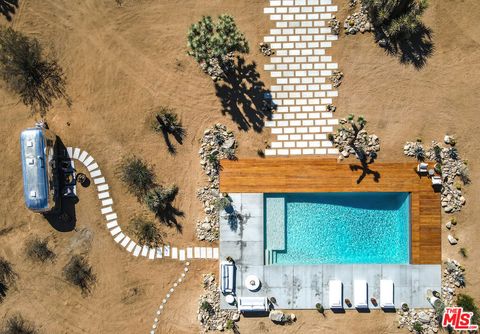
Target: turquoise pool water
338	228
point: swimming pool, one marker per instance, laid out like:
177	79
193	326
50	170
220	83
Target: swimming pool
316	228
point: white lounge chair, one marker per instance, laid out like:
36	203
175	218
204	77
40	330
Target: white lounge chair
436	180
253	304
227	271
335	294
360	294
386	294
422	168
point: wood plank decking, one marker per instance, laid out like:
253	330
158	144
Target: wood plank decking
287	175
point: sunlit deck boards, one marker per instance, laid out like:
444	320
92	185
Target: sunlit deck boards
284	175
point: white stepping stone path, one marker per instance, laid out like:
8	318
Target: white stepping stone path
161	308
301	68
106	209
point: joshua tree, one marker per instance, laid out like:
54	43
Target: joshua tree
137	175
17	325
396	18
7	277
27	71
146	232
352	137
79	273
159	201
38	250
211	44
419	152
165	121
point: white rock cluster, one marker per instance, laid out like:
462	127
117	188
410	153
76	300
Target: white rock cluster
265	49
427	320
334	24
358	22
336	78
216	69
453	278
213	319
369	143
217	143
451	168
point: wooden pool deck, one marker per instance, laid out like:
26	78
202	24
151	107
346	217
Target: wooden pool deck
288	175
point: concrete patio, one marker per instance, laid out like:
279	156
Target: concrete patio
302	286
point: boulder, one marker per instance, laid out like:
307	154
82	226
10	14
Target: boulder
452	240
423	317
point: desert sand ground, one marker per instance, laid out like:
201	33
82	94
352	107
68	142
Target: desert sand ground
120	63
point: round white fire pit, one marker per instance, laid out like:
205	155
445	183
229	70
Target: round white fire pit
252	282
230	299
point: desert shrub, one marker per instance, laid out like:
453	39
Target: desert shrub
468	304
146	232
137	175
207	307
78	272
164	119
464	174
211	42
463	252
419	153
396	18
38	250
417	326
38	79
221	203
7	277
159	201
320	308
17	325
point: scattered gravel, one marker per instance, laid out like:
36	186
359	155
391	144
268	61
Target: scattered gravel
213	318
217	143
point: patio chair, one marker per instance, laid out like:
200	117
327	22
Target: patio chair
386	294
335	295
436	180
422	168
360	294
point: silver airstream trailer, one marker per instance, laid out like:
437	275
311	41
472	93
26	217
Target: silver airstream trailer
39	164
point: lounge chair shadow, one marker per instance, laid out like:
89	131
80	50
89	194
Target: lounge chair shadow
338	310
389	309
362	309
244	96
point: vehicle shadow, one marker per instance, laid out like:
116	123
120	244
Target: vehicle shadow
244	96
63	217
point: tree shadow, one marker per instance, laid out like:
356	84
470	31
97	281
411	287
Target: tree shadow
366	170
414	50
235	218
8	8
178	134
244	96
169	217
